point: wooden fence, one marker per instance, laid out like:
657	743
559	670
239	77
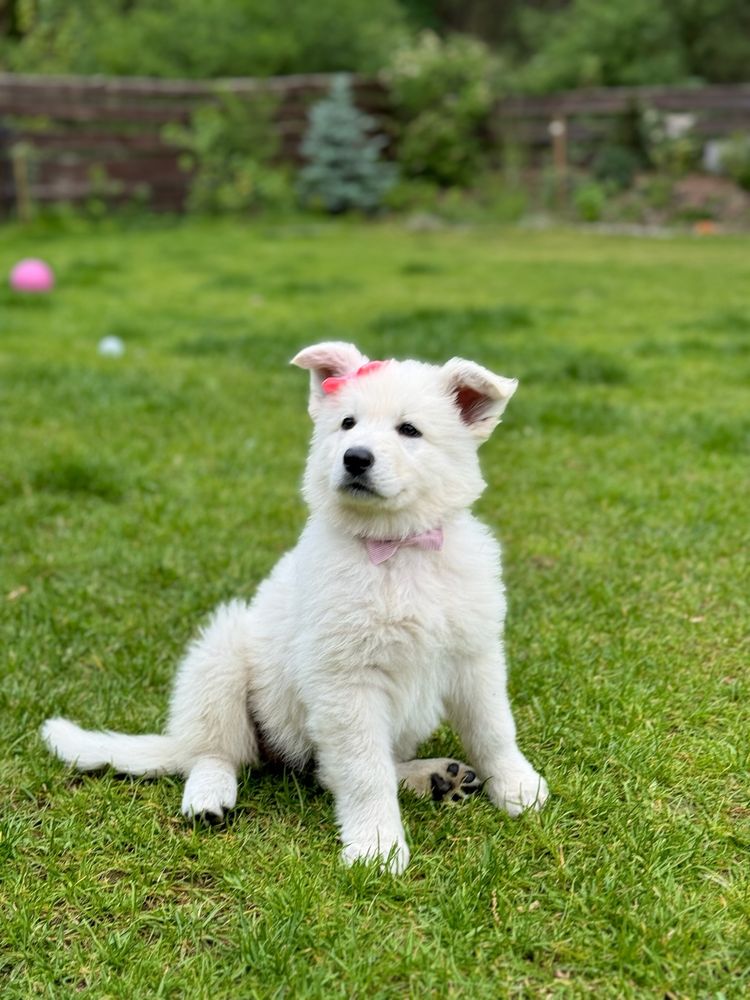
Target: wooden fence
592	117
68	138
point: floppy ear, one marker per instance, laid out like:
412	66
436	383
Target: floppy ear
323	361
479	395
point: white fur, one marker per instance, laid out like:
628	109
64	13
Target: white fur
343	661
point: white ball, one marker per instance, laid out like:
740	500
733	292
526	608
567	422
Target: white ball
111	347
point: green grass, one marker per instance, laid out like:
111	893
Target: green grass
135	493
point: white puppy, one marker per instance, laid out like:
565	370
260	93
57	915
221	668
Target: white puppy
385	619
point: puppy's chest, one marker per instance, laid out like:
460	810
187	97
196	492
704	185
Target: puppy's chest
406	610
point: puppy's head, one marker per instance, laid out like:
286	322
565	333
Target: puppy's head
394	449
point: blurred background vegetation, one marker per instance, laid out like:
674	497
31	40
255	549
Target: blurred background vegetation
541	44
438	147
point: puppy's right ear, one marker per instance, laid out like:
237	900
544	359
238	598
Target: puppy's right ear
332	359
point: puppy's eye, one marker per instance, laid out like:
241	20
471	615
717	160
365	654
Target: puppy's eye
409	431
347	423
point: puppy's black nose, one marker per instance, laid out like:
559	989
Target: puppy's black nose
357	460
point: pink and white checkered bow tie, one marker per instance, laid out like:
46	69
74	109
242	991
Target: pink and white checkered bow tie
381	549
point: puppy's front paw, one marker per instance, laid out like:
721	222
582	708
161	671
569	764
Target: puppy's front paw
394	857
516	787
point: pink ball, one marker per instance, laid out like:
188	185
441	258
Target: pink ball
32	275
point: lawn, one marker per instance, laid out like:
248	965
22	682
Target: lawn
137	492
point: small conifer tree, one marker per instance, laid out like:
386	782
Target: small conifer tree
344	170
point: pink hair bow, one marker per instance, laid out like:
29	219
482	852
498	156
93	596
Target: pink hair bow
334	383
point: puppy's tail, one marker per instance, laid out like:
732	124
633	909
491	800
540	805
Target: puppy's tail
89	750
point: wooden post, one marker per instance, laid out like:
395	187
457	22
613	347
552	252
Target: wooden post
558	129
19	154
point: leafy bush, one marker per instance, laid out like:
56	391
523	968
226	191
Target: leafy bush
493	198
192	38
413	194
670	141
443	92
587	43
615	166
344	170
589	200
735	158
229	146
657	192
590	43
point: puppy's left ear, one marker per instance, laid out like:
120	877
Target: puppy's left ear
480	395
331	359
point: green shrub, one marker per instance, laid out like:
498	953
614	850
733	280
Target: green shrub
229	147
192	38
412	194
501	197
615	166
589	43
658	192
344	169
735	158
589	200
670	142
584	43
443	93
492	198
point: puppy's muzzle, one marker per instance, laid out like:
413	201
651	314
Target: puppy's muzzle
357	461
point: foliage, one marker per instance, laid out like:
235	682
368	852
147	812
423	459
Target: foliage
137	493
192	38
714	36
658	191
344	170
594	43
589	199
443	92
551	44
413	194
598	43
735	158
670	141
615	165
492	198
229	147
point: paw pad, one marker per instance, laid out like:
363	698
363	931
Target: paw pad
454	784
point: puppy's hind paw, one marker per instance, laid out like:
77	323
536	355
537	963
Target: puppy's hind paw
443	779
454	782
210	791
